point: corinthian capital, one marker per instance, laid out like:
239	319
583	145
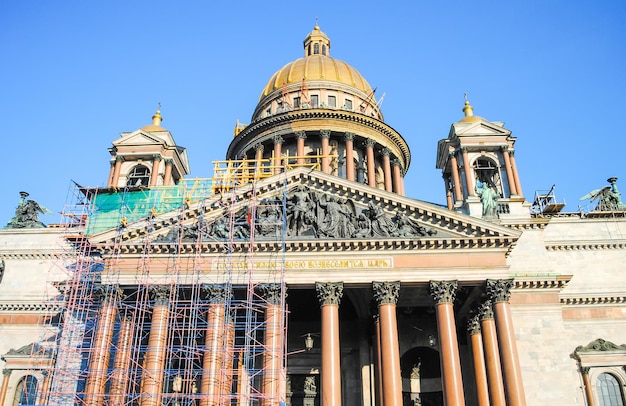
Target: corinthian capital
473	325
499	290
325	133
215	292
271	292
329	292
386	292
348	136
443	291
300	134
369	143
160	293
108	293
485	311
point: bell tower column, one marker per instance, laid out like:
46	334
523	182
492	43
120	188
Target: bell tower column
156	160
386	295
444	292
509	172
329	295
518	185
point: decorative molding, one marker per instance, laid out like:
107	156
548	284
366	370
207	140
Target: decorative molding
558	282
485	310
586	245
329	293
499	290
443	291
598	345
386	292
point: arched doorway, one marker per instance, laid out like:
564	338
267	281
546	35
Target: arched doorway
421	377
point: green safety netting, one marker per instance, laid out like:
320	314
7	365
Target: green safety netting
109	208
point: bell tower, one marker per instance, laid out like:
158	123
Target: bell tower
478	165
147	157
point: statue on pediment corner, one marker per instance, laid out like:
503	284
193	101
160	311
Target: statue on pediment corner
407	227
27	214
609	198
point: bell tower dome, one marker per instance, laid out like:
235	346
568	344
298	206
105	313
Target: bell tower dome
147	157
479	170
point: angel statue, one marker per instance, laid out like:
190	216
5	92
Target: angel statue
609	198
27	214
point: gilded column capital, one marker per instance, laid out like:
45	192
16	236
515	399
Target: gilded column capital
300	134
443	291
325	133
6	372
108	293
271	292
329	292
473	325
160	294
499	290
369	143
278	140
385	151
485	311
258	147
215	292
386	292
348	136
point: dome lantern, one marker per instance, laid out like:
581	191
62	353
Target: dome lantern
316	43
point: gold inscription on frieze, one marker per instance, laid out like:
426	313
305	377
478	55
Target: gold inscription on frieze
242	266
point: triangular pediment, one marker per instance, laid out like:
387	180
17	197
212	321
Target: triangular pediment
314	208
480	128
140	137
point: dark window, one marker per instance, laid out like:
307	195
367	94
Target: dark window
296	102
332	101
323	49
316	49
309	53
609	391
26	391
139	176
314	100
348	104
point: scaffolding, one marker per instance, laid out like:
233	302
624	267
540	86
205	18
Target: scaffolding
167	300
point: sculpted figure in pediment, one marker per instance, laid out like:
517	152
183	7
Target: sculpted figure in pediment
339	217
302	213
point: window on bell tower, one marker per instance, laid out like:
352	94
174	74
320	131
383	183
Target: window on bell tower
139	176
316	49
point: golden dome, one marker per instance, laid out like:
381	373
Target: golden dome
317	67
156	123
317	64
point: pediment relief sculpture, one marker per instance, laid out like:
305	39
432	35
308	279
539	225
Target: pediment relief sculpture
306	214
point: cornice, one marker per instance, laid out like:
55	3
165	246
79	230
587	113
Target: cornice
593	300
25	307
586	245
260	246
322	114
541	282
33	255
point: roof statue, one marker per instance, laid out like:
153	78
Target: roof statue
609	198
27	214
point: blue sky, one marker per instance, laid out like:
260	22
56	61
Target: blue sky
75	74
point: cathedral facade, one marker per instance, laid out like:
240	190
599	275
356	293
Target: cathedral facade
301	274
